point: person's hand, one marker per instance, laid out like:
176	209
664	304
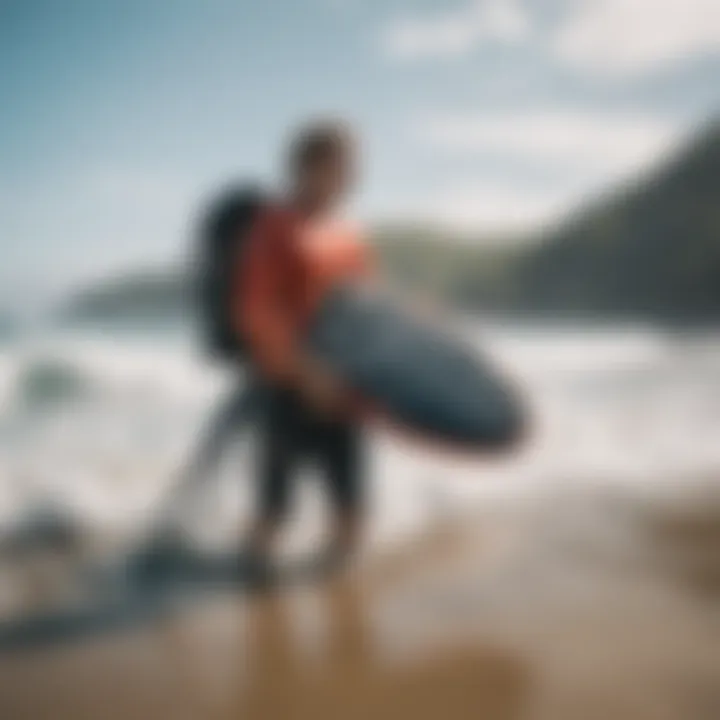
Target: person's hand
319	387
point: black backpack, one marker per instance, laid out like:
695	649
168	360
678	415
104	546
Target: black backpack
223	235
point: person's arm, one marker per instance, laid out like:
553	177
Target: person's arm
265	316
262	316
319	383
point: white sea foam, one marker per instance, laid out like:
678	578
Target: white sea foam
103	425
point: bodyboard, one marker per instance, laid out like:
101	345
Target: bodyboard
413	371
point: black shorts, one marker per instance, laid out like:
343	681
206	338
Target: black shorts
291	433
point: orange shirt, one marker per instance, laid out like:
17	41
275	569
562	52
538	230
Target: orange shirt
289	266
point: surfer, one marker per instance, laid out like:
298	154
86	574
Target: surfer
299	246
285	274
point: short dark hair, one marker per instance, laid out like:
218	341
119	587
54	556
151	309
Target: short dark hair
318	141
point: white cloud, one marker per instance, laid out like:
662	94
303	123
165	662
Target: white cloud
580	153
635	37
97	220
496	207
606	144
616	38
453	34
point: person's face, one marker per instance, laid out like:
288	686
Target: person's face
328	181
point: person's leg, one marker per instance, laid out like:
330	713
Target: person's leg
224	427
278	455
341	454
164	546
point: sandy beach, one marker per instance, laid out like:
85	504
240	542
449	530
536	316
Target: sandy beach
576	605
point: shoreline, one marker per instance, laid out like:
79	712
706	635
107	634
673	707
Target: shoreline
581	606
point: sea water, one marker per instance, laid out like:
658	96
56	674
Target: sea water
100	422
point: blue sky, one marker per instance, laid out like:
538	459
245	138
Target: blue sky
119	116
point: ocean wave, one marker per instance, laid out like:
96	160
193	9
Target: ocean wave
119	418
47	382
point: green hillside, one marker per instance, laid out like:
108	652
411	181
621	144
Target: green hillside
652	249
140	295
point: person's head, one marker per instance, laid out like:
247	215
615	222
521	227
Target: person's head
321	164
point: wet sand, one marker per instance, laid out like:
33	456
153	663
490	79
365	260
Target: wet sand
576	606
